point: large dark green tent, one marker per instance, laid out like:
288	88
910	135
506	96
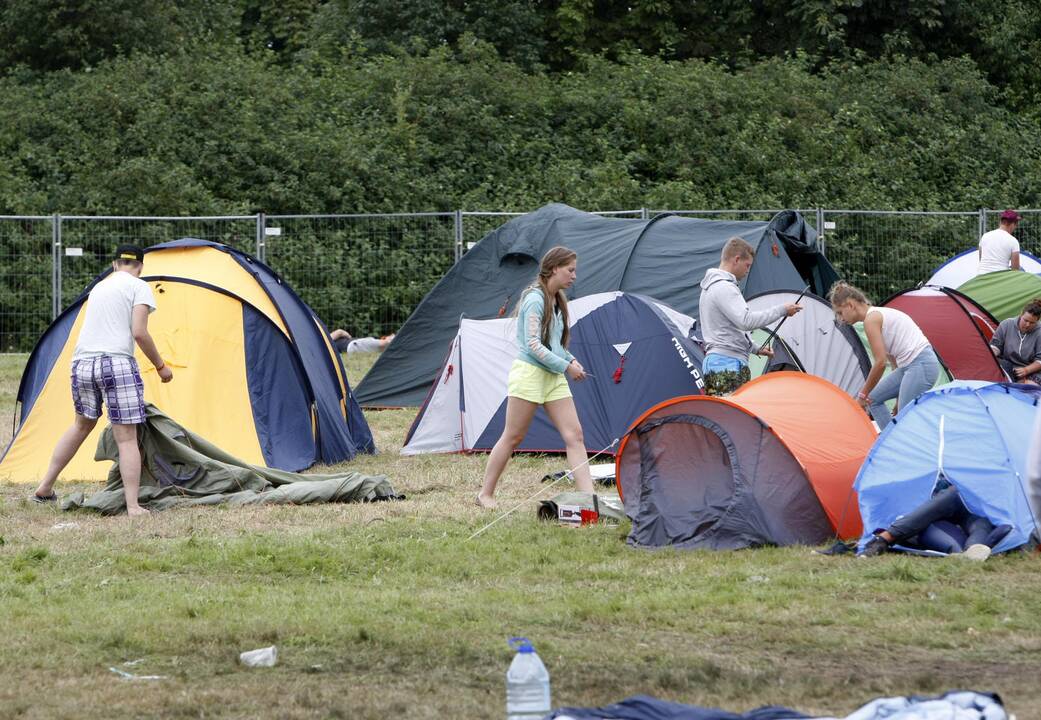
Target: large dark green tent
664	257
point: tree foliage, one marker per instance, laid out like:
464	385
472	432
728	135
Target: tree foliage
332	106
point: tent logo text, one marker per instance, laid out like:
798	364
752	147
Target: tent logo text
694	372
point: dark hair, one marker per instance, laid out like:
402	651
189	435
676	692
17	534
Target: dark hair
555	257
1033	307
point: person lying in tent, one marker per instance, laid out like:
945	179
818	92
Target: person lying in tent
726	319
943	524
343	341
1017	345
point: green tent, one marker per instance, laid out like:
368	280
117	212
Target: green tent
1003	294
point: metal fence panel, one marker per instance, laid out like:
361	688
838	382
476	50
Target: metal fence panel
362	273
26	280
367	273
884	252
95	237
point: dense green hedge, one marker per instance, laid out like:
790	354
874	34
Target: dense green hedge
318	123
226	132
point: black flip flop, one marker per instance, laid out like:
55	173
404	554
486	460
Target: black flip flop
52	498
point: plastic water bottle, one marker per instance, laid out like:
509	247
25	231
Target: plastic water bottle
527	684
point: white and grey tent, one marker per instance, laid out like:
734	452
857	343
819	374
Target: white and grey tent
813	342
637	350
962	267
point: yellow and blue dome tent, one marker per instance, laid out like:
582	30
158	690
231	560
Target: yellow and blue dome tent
254	369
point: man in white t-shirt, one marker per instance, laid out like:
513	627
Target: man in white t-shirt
999	249
104	371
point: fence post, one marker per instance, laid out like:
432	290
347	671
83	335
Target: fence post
261	237
644	215
820	231
55	266
458	235
982	223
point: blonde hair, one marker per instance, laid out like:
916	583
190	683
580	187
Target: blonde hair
842	291
555	257
737	247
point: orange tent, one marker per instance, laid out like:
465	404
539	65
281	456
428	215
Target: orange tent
774	463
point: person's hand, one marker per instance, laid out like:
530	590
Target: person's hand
863	400
997	353
1020	372
165	373
575	371
767	352
791	308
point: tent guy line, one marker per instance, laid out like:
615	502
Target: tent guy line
567	474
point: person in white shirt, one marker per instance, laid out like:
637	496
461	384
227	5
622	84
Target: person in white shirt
999	249
892	335
104	371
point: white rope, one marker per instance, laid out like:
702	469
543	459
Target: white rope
567	474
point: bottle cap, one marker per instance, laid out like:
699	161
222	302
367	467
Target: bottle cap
521	645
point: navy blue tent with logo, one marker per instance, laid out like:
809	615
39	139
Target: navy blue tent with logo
637	351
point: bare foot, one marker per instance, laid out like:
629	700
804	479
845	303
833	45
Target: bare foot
137	512
488	503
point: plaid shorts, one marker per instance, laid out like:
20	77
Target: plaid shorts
115	379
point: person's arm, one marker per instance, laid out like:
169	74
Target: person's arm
873	330
1022	373
997	341
1027	370
737	312
139	328
1014	262
531	316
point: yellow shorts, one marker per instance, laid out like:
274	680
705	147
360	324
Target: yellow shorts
536	385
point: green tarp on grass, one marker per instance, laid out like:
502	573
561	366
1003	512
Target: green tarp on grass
179	468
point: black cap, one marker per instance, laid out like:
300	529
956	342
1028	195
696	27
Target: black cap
130	252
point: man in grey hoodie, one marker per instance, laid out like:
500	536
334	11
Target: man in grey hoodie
726	319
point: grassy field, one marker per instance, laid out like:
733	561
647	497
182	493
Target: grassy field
387	610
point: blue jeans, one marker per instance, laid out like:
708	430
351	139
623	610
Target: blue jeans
944	523
715	362
723	374
904	384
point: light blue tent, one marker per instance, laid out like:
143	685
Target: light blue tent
976	434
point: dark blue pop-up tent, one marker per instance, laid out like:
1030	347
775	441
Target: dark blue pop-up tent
973	433
664	257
